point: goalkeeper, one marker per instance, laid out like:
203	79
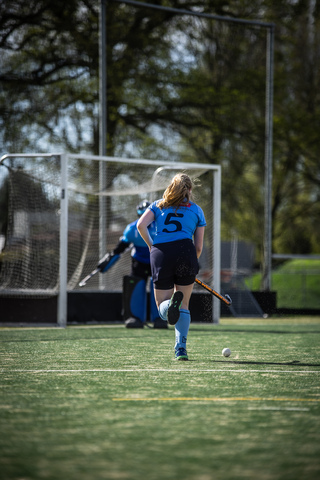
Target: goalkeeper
135	285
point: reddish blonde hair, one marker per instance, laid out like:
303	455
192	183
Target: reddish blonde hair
179	191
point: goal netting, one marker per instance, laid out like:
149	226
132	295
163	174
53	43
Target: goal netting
102	194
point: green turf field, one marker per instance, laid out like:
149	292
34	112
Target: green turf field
90	403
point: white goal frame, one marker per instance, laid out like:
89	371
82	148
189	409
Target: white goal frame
62	310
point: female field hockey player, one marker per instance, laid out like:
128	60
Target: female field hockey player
174	253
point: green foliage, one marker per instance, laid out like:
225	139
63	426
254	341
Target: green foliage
178	88
297	283
300	266
49	72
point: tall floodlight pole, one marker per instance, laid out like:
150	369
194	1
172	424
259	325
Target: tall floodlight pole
268	163
102	79
268	120
102	131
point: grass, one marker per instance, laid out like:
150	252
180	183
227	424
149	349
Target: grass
297	283
106	402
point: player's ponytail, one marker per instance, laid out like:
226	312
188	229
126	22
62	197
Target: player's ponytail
179	191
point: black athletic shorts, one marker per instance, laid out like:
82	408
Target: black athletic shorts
173	263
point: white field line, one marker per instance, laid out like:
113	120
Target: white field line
166	370
214	399
178	399
286	409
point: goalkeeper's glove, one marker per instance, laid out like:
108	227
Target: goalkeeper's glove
107	262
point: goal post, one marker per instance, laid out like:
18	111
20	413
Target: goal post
58	197
62	315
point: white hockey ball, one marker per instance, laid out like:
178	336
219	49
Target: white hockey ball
226	352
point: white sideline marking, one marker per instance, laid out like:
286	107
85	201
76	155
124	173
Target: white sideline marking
215	399
287	409
167	370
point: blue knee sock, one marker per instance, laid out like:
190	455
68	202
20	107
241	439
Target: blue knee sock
163	309
182	329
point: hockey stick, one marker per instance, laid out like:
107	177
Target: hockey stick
84	281
105	263
226	299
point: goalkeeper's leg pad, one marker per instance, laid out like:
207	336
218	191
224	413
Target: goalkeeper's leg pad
134	298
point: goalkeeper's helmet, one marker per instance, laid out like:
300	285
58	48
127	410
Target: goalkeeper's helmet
142	207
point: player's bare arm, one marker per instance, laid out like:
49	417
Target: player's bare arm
144	221
198	240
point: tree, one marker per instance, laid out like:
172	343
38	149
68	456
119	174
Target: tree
296	127
178	88
49	68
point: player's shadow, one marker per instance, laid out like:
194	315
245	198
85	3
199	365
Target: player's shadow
239	330
294	363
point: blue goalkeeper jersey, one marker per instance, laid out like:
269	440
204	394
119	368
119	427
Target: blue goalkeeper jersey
131	235
176	224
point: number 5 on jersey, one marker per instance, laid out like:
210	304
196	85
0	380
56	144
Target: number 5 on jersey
169	221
